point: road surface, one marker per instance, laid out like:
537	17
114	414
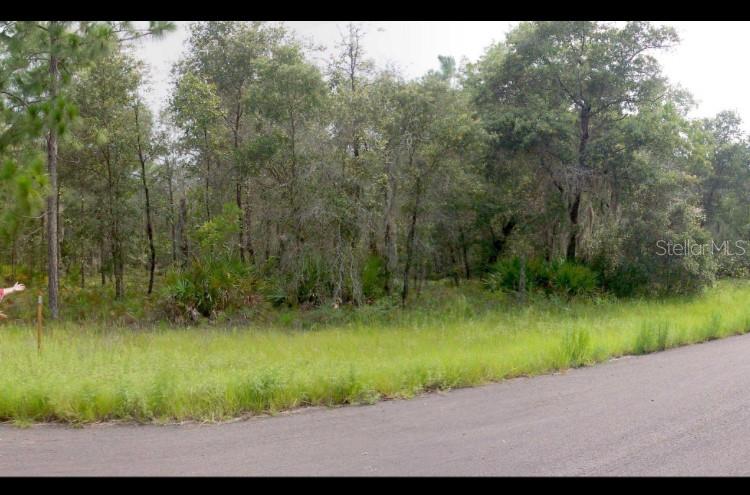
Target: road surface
685	411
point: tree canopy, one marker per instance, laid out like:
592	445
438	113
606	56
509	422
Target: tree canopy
347	183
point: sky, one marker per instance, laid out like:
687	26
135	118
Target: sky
706	62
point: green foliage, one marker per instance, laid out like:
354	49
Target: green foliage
373	277
22	186
216	236
575	348
97	372
564	141
712	329
652	338
643	265
573	278
505	274
216	280
557	277
313	281
209	286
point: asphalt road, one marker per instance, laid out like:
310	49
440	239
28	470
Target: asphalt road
685	411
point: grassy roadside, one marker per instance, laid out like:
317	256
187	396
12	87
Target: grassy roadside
94	373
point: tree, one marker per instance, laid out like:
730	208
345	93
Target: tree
196	108
563	88
350	74
444	141
43	58
107	143
228	55
289	102
143	145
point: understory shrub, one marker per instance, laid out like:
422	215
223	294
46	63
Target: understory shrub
216	279
373	277
556	277
209	286
314	280
638	258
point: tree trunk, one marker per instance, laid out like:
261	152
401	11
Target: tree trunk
51	214
236	132
282	242
390	224
573	236
84	252
708	204
267	253
454	267
241	219
248	224
574	208
522	279
116	245
173	230
498	243
149	227
410	239
464	254
60	232
101	261
293	190
182	235
206	191
584	138
119	267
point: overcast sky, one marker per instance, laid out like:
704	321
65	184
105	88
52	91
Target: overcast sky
706	62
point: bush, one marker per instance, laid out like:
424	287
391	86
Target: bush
573	279
216	279
310	280
315	280
504	274
373	277
210	286
558	277
633	259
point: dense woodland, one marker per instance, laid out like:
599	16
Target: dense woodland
555	162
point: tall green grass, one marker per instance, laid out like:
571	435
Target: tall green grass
450	339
